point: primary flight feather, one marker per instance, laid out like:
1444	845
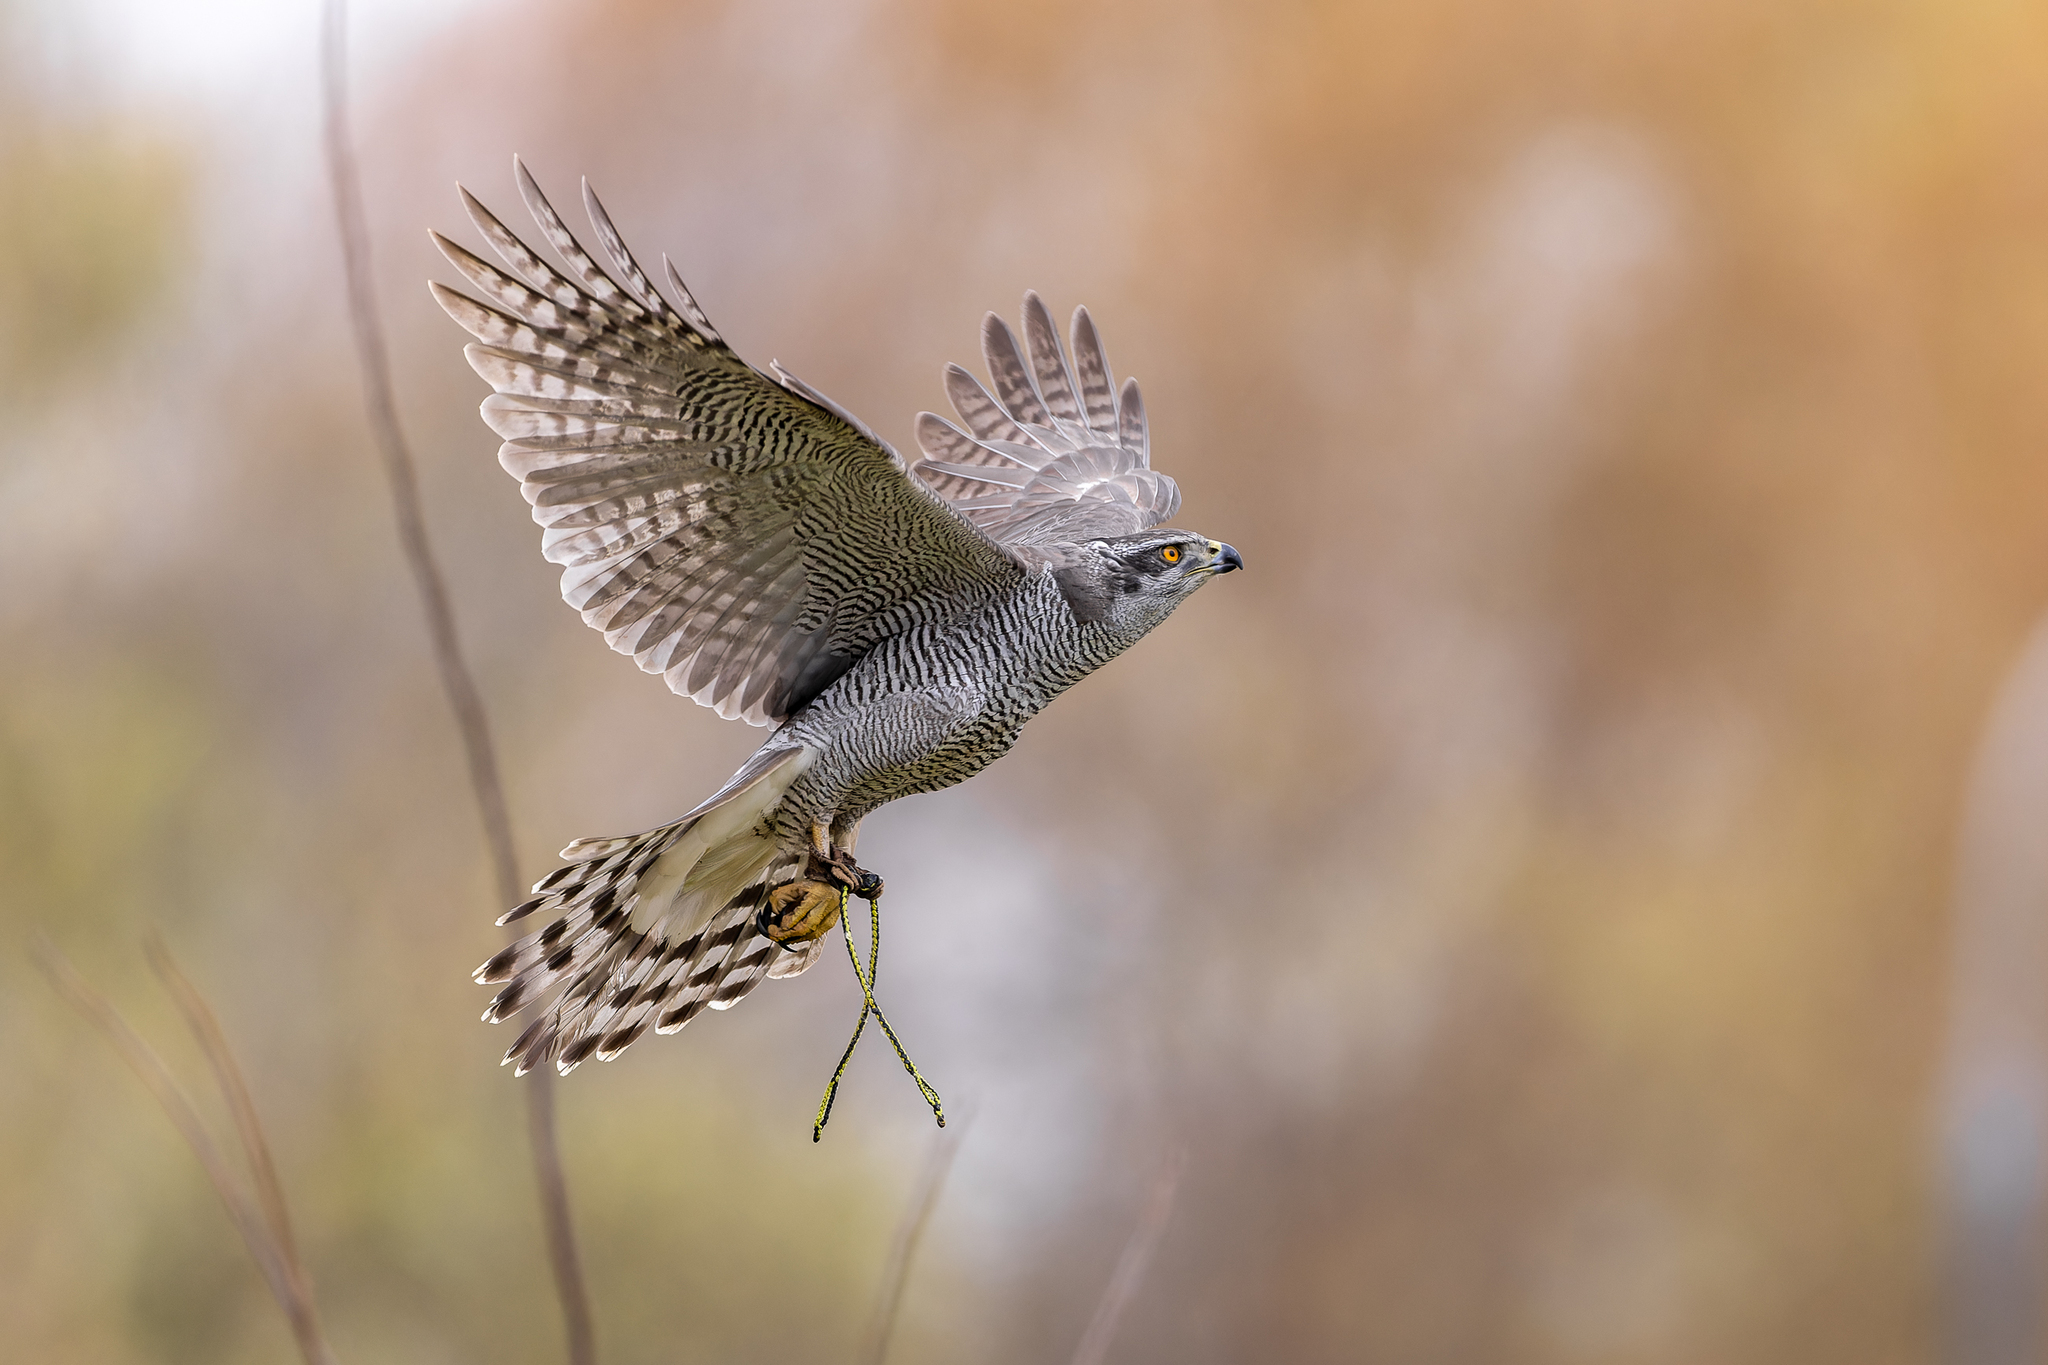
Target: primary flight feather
759	547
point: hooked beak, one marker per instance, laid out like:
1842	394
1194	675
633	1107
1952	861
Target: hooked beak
1226	558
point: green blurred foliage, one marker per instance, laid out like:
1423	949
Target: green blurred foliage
91	226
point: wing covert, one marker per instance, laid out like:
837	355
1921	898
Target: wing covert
747	539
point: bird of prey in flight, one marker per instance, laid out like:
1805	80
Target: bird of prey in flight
762	549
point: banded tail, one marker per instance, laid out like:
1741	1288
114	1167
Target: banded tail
651	928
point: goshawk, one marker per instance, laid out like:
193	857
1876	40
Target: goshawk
758	546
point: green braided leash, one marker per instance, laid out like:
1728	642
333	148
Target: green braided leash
868	1006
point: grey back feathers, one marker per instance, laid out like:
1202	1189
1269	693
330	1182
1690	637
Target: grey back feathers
1055	454
737	535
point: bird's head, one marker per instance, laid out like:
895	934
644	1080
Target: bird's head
1133	582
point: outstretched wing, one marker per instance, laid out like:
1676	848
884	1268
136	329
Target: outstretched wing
1056	454
744	538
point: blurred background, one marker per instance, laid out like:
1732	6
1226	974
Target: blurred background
1579	897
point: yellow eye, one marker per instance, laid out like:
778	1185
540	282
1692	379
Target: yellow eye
1171	554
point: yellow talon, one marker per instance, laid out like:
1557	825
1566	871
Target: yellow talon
800	911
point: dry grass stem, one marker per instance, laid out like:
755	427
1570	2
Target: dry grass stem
455	680
234	1089
382	412
924	1197
1131	1266
463	697
266	1237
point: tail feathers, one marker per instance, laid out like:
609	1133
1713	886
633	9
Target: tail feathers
595	867
590	907
797	960
617	982
586	850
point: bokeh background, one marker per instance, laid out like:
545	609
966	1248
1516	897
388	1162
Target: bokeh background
1577	898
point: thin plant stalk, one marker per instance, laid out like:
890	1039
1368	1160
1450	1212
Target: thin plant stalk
213	1043
463	698
276	1258
924	1197
1132	1264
